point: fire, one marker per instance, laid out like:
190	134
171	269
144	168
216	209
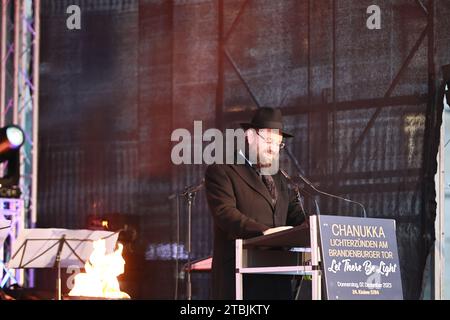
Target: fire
100	279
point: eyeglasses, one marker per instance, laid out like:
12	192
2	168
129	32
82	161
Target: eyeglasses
280	145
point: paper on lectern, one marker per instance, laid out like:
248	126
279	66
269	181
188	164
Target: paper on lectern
277	229
37	248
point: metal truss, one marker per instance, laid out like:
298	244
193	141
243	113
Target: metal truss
19	91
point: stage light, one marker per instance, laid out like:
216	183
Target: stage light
11	139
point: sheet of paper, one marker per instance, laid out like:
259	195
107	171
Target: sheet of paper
277	229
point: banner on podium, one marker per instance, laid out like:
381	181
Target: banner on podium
360	258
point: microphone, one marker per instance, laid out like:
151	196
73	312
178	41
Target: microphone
311	185
187	190
193	188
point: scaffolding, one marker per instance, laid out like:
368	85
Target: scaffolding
19	92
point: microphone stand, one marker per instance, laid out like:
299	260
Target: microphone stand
296	187
58	267
311	185
176	196
189	194
300	201
300	171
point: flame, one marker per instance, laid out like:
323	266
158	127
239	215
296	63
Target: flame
100	279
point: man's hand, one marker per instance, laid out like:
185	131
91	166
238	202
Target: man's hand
277	229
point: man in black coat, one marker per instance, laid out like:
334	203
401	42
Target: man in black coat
246	202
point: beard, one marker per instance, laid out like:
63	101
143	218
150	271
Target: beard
265	158
268	161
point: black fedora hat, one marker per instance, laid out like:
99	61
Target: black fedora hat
267	118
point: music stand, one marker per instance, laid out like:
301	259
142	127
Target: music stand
57	248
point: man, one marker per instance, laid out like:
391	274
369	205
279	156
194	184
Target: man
247	202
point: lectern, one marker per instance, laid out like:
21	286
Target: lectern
290	252
356	257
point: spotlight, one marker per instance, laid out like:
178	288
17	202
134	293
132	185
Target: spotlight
11	139
446	76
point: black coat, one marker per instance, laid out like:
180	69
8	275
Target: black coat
241	207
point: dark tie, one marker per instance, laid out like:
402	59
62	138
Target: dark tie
270	184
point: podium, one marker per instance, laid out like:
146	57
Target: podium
290	252
356	257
